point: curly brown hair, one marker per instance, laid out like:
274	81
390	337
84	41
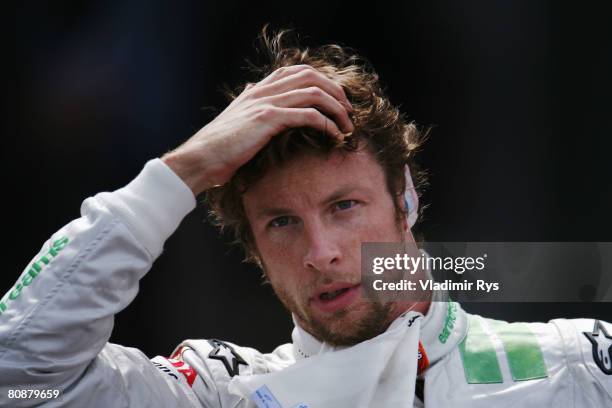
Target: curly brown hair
379	126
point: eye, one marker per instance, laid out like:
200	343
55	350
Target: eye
345	204
282	221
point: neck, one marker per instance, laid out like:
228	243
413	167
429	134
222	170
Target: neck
403	307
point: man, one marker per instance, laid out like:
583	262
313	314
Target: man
304	165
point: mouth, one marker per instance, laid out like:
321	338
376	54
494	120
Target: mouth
336	298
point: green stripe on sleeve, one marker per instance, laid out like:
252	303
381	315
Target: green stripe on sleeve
478	355
522	350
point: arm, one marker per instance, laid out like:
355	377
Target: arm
56	320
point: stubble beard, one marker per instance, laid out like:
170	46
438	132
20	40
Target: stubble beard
341	328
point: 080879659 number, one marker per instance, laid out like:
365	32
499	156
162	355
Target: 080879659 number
29	394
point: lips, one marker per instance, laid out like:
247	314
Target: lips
336	297
332	295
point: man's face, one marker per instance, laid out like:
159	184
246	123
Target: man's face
309	218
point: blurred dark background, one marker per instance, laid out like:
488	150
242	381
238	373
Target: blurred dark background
518	93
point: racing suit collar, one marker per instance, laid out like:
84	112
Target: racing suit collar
442	328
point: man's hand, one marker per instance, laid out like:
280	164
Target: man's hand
284	99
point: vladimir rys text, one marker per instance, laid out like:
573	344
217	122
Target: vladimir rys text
412	264
430	284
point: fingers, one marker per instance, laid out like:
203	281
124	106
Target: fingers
304	78
276	75
308	117
283	72
313	96
290	94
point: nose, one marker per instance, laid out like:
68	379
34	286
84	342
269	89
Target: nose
322	249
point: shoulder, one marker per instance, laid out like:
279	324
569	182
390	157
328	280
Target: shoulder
538	364
579	350
587	345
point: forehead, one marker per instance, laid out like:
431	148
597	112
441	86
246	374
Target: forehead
309	178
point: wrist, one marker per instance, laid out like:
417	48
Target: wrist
190	170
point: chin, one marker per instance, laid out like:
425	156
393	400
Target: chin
352	326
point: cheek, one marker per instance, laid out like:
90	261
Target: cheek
282	265
380	225
277	254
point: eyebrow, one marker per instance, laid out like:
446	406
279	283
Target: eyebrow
278	211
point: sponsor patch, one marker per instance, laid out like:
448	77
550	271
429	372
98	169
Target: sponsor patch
33	271
423	360
449	322
227	355
176	368
412	320
164	369
264	398
601	343
176	359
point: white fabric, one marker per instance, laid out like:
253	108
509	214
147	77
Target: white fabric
377	372
152	205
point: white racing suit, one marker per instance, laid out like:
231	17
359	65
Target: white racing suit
56	320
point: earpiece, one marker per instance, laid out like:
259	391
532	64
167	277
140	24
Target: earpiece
411	199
